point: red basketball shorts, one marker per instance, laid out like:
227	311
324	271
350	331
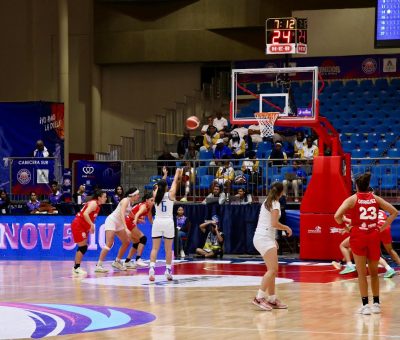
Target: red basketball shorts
79	230
366	244
386	236
130	223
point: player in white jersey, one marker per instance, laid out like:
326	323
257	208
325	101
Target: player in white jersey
264	242
115	225
163	225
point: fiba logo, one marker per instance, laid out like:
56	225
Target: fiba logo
88	170
369	66
67	182
24	176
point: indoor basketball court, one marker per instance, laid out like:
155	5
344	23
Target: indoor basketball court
207	299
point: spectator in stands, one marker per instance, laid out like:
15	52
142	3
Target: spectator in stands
210	139
225	176
191	154
299	144
220	123
80	195
240	129
183	144
205	127
4	203
255	134
214	241
310	150
222	150
40	151
188	178
165	160
216	192
182	225
251	167
237	145
243	197
294	178
56	196
277	155
33	204
118	195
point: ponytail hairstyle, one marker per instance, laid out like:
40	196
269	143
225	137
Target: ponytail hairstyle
362	182
273	194
131	192
146	197
161	188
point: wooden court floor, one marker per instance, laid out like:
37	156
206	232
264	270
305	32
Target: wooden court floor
206	300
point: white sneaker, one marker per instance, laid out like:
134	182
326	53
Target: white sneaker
182	253
100	269
140	263
364	310
78	271
119	265
376	308
152	276
130	265
168	274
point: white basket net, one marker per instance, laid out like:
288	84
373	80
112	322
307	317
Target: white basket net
266	120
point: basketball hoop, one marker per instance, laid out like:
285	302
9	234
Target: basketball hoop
266	120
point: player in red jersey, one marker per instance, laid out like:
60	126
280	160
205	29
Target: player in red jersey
135	217
83	224
386	239
363	208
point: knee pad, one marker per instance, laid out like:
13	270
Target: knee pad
143	240
135	245
82	249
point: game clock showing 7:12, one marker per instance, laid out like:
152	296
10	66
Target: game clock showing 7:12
286	36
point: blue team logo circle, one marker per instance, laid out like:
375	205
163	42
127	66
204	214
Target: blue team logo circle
369	66
24	176
22	320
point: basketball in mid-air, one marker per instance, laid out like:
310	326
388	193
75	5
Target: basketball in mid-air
192	123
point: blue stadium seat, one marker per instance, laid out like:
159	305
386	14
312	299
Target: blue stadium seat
348	146
366	84
205	182
201	171
389	182
381	84
351	85
358	153
382	144
205	155
357	138
375	153
263	149
393	153
152	180
367	145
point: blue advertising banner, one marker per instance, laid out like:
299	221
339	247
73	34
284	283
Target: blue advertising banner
32	174
49	238
22	124
347	67
104	175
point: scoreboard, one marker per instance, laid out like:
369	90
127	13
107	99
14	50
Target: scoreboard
286	36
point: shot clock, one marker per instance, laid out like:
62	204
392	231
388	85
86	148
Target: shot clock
286	36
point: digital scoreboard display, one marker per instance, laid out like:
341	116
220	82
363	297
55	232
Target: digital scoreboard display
286	36
387	23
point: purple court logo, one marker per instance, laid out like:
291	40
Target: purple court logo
24	176
23	320
369	66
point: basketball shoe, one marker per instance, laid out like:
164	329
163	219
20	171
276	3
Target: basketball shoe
376	308
141	264
78	271
100	269
262	303
348	269
152	276
390	273
119	265
277	304
168	274
364	310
